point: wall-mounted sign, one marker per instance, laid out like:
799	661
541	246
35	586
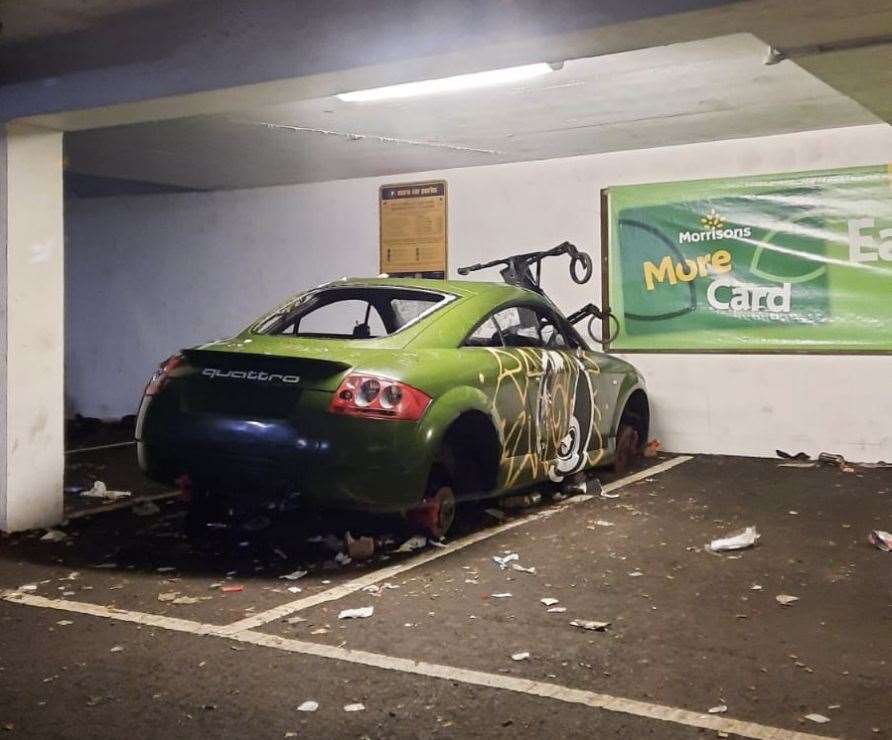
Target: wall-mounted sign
413	228
779	263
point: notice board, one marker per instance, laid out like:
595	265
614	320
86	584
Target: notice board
798	262
413	228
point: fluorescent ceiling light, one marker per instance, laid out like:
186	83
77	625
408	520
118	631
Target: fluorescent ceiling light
450	84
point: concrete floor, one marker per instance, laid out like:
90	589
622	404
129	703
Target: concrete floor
689	633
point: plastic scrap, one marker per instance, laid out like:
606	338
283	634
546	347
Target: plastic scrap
881	540
520	656
308	706
502	561
652	448
557	610
54	535
819	718
549	601
362	612
720	709
589	624
295	575
343	558
232	589
786	600
354	707
521	569
99	490
413	543
501	596
185	600
739	541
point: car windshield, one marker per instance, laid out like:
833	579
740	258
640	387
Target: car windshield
351	312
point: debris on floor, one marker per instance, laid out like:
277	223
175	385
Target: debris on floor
233	589
377	590
739	541
520	656
54	535
146	508
652	448
100	490
720	709
881	540
522	569
589	624
786	599
520	502
819	718
415	542
505	595
496	514
362	612
549	601
308	706
360	548
295	575
354	707
502	561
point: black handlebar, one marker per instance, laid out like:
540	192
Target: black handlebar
516	268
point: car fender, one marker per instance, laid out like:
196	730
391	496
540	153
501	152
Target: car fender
444	411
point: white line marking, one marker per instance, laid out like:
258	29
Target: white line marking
102	447
345	589
125	504
528	687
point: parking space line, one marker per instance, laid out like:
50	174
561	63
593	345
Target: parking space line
345	589
555	692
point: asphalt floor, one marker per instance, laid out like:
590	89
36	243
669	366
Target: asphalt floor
689	629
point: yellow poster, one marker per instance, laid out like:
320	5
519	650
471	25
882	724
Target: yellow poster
413	227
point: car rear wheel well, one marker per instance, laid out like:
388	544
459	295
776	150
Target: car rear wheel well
636	414
473	445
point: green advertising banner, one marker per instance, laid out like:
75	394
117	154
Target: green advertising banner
779	263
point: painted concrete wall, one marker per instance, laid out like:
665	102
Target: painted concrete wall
151	274
31	305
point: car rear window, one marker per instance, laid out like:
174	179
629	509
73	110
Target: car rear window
351	312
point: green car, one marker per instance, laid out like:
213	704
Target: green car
392	395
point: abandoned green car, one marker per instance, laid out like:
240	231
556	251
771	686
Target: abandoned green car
391	395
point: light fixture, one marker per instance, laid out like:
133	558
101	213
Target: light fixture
450	84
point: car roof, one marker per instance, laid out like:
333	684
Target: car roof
461	288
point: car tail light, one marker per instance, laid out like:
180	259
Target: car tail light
382	398
162	374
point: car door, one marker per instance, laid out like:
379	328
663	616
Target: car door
540	378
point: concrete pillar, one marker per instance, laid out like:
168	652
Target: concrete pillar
31	328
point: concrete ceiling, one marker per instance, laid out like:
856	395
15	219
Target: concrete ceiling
699	91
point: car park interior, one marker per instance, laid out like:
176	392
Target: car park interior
445	369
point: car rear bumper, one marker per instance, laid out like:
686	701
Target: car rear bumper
329	460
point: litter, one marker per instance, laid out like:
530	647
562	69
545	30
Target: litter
27	587
54	535
636	574
116	649
496	514
786	600
354	707
603	523
180	600
549	601
557	610
588	624
800	456
362	612
168	596
294	589
64	622
413	543
739	541
343	558
520	656
881	540
501	596
360	548
376	590
502	562
720	709
232	589
652	447
819	718
146	508
295	575
520	502
308	706
755	587
99	490
520	568
604	494
296	620
319	631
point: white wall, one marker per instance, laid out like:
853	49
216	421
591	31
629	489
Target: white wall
148	275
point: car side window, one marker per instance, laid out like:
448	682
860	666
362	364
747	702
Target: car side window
519	326
485	335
